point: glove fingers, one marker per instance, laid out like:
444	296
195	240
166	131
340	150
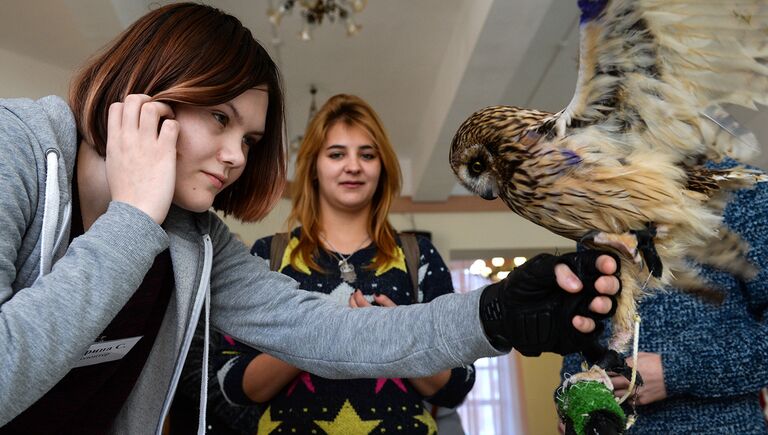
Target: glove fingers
529	310
614	302
584	265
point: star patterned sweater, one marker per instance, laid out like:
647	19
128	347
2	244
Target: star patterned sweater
315	405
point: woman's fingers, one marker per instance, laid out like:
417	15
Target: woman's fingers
357	300
383	300
601	304
619	382
114	120
606	264
583	324
566	279
151	116
141	154
607	284
169	134
132	110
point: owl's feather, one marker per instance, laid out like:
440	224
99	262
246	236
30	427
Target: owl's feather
626	154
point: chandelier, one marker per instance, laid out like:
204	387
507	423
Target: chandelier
313	12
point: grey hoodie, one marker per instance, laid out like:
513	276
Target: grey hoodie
56	299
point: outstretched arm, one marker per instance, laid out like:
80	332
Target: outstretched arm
265	310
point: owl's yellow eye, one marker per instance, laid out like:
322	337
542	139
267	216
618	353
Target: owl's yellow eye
477	167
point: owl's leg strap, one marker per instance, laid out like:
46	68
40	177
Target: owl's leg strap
648	249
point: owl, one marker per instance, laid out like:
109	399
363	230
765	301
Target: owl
622	166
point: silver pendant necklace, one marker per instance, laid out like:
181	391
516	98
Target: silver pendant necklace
346	270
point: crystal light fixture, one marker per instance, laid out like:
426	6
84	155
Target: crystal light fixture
313	12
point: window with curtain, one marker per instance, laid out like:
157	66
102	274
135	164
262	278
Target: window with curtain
493	406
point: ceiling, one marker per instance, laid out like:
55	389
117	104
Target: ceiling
423	65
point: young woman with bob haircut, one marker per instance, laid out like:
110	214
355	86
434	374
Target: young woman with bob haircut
110	254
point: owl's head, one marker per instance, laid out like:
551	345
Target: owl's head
472	162
490	145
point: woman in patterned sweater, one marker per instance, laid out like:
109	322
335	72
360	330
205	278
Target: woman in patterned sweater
346	178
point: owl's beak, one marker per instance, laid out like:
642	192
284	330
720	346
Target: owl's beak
490	196
491	192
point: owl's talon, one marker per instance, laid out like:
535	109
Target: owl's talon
612	361
563	122
635	244
625	243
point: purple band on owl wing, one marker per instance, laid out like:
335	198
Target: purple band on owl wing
571	158
590	9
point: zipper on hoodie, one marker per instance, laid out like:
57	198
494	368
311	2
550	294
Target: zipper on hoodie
202	297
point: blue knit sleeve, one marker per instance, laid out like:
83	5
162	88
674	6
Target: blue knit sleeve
435	280
728	355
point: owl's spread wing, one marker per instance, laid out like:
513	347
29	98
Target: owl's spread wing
651	73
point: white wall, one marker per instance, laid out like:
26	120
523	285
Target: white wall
486	231
22	76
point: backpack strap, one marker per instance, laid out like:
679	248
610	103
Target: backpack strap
277	249
410	247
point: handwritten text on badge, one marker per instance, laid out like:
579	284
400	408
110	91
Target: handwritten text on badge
105	351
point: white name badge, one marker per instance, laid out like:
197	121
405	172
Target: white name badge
105	351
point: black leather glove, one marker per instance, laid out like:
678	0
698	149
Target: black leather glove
530	312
